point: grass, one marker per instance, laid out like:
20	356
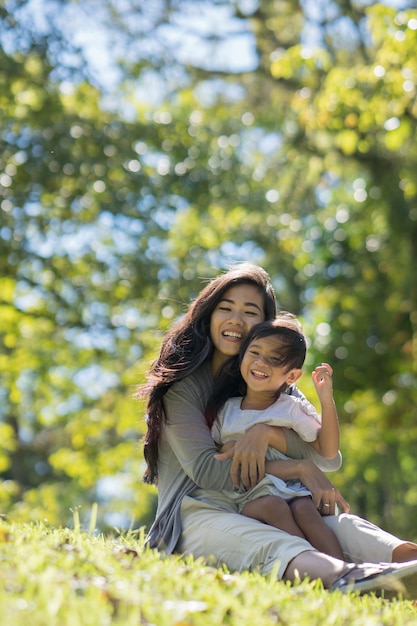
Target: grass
63	577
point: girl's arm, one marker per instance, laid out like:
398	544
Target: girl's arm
249	452
328	439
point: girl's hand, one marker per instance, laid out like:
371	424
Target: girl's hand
323	379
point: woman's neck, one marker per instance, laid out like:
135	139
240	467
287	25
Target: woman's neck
216	362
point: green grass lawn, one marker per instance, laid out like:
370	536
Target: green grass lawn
62	577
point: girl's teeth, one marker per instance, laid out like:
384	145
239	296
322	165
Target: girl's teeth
256	373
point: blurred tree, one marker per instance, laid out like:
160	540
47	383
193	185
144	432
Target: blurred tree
127	177
80	260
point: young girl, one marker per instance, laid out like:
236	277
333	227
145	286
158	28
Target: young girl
271	359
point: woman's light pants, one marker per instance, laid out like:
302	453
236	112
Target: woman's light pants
215	531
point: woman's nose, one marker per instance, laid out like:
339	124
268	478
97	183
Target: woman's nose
236	318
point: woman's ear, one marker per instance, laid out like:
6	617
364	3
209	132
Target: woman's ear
293	375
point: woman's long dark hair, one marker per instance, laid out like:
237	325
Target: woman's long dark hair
292	352
188	345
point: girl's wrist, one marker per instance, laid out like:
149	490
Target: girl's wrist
264	431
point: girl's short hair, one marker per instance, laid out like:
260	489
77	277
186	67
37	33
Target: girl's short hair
286	327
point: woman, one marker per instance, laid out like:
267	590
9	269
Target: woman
181	456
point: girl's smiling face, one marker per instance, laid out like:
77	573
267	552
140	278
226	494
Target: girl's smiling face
262	368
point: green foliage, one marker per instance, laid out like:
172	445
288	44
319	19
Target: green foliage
63	577
115	203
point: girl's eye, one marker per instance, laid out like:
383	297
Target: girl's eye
224	308
251	313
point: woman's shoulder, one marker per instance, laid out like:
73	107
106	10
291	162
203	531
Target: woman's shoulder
201	375
199	382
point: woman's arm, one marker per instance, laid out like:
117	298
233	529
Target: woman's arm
245	457
325	496
299	449
188	437
249	452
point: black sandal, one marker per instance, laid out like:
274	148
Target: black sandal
391	578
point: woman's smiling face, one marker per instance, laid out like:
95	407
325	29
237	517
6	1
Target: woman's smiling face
240	308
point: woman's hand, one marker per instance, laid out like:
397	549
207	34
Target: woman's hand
248	454
325	496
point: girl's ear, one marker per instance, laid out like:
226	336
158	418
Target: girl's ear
293	375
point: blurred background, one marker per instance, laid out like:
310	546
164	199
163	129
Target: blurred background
147	146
